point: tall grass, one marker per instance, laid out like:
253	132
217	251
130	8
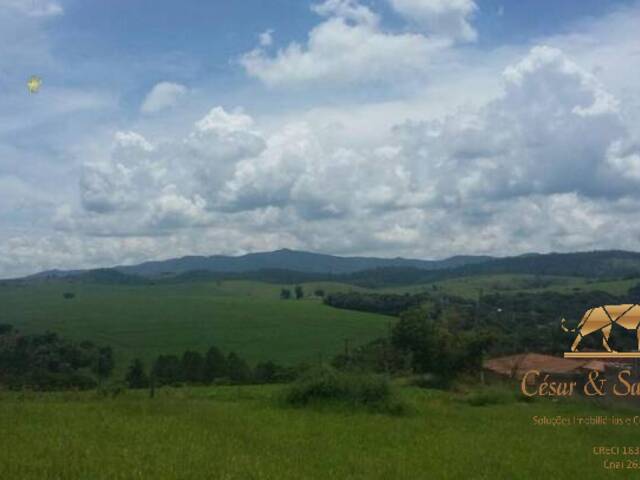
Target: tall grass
326	386
240	433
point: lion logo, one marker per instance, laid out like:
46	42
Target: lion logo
602	319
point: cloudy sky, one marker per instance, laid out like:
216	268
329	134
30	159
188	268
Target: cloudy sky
416	128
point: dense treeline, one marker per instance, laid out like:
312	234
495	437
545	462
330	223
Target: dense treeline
387	304
422	342
213	367
48	362
446	335
531	321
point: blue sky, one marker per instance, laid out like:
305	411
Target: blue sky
421	128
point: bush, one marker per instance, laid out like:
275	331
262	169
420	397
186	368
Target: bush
113	390
490	396
431	381
326	385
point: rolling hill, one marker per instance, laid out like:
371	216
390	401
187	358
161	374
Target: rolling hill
145	321
288	266
285	259
609	264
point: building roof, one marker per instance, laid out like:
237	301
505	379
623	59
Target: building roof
518	365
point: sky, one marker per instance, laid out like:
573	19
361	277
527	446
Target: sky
414	128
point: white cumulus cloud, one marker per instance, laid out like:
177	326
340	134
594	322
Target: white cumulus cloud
349	46
450	19
162	96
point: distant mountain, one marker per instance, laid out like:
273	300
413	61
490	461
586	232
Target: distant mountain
606	264
289	266
600	264
292	260
109	276
54	274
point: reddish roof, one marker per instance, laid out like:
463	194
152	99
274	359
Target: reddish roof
520	364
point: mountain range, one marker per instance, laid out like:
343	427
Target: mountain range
295	265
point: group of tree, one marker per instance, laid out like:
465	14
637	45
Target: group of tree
193	368
516	322
49	362
386	304
298	291
421	342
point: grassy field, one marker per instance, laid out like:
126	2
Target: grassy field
144	321
243	316
245	433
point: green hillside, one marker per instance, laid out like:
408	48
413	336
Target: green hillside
147	320
236	315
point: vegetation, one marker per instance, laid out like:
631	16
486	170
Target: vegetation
242	432
429	329
285	294
386	304
323	385
48	362
149	320
432	335
136	376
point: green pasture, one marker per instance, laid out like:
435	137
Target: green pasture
144	321
244	433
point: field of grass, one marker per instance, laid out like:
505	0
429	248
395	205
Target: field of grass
243	316
246	433
144	321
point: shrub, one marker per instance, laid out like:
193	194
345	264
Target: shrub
113	390
326	385
431	381
490	396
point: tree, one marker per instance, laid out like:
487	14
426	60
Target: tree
237	368
285	294
167	370
378	356
46	361
299	292
319	293
192	366
414	334
68	295
136	376
266	372
5	329
104	363
215	365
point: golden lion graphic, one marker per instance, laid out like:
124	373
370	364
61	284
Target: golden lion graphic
602	319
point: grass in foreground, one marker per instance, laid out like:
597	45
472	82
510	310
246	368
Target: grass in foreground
246	433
